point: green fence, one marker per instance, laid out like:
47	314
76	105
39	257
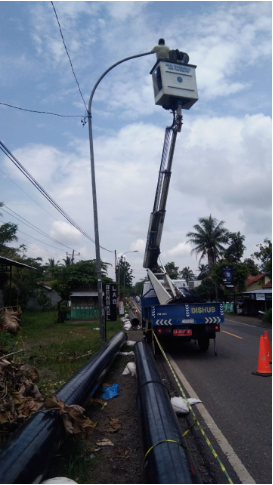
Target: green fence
81	313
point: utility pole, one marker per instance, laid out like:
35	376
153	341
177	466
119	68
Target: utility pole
72	255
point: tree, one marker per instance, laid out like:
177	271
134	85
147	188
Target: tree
125	275
67	261
240	274
81	275
235	250
264	256
7	235
51	267
208	239
137	288
207	290
203	271
187	274
253	268
172	270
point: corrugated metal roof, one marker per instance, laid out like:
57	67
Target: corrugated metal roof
84	293
266	290
11	262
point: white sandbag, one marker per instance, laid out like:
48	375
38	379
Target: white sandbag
126	315
193	400
127	353
130	343
59	480
130	369
127	326
97	329
180	405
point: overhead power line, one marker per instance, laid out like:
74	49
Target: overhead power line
68	55
32	226
41	112
34	182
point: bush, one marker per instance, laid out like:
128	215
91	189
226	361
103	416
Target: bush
268	316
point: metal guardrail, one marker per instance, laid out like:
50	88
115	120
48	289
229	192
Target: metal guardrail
26	455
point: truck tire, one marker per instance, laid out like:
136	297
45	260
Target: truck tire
203	344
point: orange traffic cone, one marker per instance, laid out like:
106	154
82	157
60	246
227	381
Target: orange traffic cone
264	368
268	348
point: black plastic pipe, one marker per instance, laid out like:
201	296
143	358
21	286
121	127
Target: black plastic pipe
25	457
133	318
167	462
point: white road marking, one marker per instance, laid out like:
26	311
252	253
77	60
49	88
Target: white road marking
232	457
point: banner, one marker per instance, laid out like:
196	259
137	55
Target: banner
227	273
110	302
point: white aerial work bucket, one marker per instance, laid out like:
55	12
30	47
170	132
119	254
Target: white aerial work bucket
174	83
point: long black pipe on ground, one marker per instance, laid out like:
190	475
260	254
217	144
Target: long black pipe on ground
167	462
26	455
133	317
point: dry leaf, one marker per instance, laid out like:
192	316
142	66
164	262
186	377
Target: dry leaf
115	425
104	442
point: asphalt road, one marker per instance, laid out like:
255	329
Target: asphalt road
239	402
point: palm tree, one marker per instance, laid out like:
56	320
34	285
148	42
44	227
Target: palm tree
209	238
203	271
187	274
67	261
51	265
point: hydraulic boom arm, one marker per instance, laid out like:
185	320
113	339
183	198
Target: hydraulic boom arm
157	217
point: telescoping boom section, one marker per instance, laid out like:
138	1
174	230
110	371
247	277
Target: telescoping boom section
157	217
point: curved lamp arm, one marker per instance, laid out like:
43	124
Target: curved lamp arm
109	69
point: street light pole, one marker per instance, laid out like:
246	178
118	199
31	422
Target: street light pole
95	208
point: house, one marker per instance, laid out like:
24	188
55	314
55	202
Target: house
84	304
257	282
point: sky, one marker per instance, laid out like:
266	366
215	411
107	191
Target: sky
222	160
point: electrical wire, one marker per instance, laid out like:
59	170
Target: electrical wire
68	55
41	112
34	182
32	226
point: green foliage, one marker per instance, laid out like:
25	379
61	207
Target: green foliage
207	291
268	316
6	339
7	235
208	239
235	250
253	268
240	274
79	275
172	270
137	288
125	276
43	300
264	256
187	274
203	271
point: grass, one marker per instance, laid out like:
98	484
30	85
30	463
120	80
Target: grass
56	350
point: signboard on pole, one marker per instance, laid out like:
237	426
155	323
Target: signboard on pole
110	302
227	273
121	308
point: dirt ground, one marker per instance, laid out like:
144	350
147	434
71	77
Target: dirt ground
121	463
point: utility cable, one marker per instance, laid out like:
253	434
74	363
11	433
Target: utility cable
34	182
41	112
32	226
68	55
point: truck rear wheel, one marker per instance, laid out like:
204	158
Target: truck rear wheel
203	344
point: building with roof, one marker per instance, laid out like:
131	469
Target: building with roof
84	304
257	282
255	301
